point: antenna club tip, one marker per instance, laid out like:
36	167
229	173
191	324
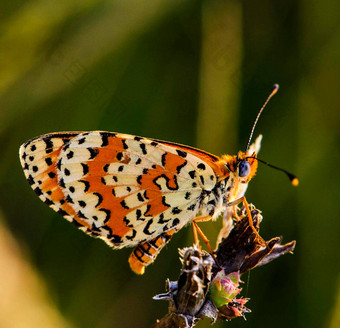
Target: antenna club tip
275	89
295	182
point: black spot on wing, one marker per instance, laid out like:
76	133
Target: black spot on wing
143	148
181	153
81	203
119	156
100	198
85	168
86	184
175	222
105	140
107	212
59	164
93	152
69	199
165	228
127	222
192	174
147	226
115	239
106	167
30	180
191	207
125	146
161	219
67	146
139	215
140	197
38	191
48	202
49	145
146	213
176	210
124	205
179	167
201	166
81	140
48	161
51	174
70	154
163	159
61	183
145	194
164	202
95	229
132	237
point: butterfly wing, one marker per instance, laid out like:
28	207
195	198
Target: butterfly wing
121	188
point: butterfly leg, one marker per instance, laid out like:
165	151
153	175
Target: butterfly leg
145	253
197	230
202	218
251	224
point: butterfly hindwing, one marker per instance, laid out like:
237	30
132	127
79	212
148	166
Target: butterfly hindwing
121	188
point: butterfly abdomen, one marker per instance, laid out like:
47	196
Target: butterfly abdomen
145	253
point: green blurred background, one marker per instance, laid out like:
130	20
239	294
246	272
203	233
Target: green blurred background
193	72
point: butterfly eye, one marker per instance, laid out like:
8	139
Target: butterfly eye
244	169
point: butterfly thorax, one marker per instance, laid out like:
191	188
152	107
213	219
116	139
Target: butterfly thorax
233	173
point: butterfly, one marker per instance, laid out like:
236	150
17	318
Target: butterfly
132	191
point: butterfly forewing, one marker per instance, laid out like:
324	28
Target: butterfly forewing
121	188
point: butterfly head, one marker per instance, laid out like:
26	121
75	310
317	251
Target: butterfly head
246	166
242	167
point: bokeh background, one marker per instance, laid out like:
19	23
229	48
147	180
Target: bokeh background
193	72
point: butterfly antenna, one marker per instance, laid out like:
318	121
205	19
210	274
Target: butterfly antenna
272	93
293	178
